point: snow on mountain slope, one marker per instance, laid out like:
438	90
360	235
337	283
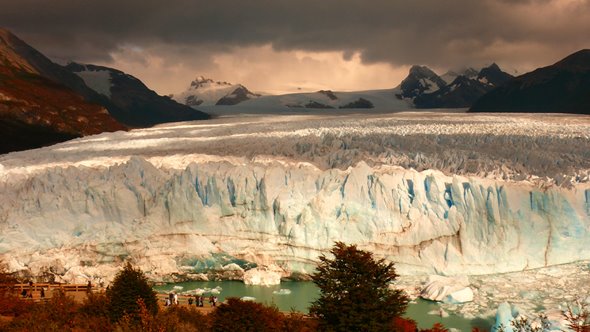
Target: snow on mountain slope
205	92
451	75
451	90
434	192
134	104
98	80
325	101
420	80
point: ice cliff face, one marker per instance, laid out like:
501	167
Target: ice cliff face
163	198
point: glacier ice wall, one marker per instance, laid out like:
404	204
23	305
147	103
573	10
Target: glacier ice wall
170	222
186	198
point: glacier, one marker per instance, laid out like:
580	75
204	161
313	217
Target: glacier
437	193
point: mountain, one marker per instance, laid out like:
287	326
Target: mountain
422	89
420	80
136	104
563	87
452	90
464	90
493	76
206	92
337	102
43	66
35	109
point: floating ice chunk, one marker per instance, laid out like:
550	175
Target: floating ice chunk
504	317
282	291
448	290
248	298
178	288
199	291
460	296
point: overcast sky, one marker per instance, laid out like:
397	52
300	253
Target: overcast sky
279	45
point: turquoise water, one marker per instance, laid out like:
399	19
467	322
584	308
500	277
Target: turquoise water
303	293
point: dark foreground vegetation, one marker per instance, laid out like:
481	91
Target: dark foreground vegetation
355	296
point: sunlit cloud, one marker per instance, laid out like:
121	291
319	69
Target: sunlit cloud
260	68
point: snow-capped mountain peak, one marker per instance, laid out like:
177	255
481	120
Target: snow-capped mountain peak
461	88
206	92
421	79
203	82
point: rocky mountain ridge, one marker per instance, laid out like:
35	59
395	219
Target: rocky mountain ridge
137	105
428	90
42	103
563	87
36	110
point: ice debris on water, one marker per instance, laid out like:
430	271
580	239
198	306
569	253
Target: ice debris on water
282	291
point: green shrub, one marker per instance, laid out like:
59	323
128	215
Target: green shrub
355	292
129	286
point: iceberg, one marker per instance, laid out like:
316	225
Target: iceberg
505	315
262	276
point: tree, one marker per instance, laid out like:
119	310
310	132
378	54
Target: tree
129	286
355	292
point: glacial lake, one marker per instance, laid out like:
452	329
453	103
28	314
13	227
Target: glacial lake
301	294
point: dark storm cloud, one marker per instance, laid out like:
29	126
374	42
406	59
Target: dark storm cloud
439	33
